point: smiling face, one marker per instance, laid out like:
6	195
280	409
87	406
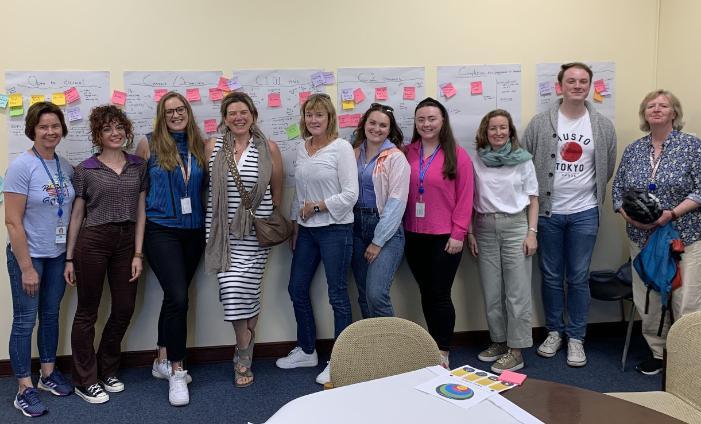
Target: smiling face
48	132
575	84
659	112
377	127
239	119
176	115
428	121
112	136
317	121
498	132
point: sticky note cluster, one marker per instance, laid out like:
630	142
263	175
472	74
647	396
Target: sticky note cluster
600	90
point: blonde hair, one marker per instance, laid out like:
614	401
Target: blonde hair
678	122
320	101
162	143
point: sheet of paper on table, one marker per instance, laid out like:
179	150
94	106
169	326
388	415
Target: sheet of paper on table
457	391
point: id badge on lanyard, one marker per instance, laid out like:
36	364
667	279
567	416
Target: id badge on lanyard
185	202
61	227
61	232
420	211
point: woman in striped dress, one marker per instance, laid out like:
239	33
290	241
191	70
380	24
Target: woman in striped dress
232	251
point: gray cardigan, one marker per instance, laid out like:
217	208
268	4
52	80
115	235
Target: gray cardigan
540	139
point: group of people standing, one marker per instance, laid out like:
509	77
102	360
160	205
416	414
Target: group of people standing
362	205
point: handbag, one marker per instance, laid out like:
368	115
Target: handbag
271	230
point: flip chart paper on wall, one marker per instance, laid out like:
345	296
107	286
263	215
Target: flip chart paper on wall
83	90
293	86
365	81
604	78
140	85
501	88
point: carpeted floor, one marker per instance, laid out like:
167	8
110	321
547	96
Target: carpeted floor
213	399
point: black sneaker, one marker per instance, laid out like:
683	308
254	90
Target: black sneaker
651	366
112	384
92	394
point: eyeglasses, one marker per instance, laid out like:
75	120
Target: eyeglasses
384	108
179	110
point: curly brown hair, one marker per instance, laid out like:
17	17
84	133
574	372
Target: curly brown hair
105	115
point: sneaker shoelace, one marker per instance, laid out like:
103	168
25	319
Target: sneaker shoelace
31	396
94	390
577	348
294	351
58	378
508	356
111	380
551	340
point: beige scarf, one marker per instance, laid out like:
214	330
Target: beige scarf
217	253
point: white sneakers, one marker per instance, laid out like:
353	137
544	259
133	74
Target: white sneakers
575	353
325	376
178	394
551	345
297	358
161	370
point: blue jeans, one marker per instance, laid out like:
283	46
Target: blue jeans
332	245
565	246
25	307
374	280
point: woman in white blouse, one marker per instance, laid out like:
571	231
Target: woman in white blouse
326	189
503	237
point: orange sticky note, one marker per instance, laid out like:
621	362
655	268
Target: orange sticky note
558	89
223	84
381	93
448	90
409	93
303	96
274	100
512	377
36	98
59	99
119	97
193	94
72	95
159	93
598	97
210	126
476	87
358	95
215	94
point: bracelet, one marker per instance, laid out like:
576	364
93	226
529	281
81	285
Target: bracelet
533	229
674	215
138	255
70	261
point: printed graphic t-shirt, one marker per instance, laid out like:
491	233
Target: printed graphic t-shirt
574	188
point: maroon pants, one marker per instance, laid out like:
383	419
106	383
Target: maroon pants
102	250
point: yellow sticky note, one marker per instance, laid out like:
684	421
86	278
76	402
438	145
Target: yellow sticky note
598	97
15	100
348	105
36	98
59	99
16	111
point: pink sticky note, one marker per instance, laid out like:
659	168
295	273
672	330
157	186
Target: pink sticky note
409	93
223	84
274	100
476	87
358	95
448	90
159	93
210	126
354	119
600	86
303	96
558	88
193	94
119	97
381	93
512	377
215	94
344	121
72	95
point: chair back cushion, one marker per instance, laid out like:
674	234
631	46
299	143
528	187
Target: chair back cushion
379	347
683	356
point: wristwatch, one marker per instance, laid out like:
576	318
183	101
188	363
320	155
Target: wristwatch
317	209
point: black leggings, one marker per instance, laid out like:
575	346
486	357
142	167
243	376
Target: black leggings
434	269
173	254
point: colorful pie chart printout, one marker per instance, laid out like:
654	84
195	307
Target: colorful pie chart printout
455	391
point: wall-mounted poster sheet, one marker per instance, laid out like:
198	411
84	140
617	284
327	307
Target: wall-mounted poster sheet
75	92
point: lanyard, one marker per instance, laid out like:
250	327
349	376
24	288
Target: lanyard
654	164
422	169
186	173
57	187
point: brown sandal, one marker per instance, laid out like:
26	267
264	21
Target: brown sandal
243	359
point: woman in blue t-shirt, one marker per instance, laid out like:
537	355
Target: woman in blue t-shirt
38	200
174	238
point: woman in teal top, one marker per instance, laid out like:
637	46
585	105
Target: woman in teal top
174	238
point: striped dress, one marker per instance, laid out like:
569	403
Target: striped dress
240	285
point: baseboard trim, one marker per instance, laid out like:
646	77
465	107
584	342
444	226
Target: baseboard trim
214	354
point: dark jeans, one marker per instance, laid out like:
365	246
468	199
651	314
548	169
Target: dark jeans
102	249
332	245
173	254
434	269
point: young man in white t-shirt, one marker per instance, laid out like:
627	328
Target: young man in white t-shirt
574	152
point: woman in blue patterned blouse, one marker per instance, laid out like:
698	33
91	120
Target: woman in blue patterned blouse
667	163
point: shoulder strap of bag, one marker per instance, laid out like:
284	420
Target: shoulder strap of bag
233	169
